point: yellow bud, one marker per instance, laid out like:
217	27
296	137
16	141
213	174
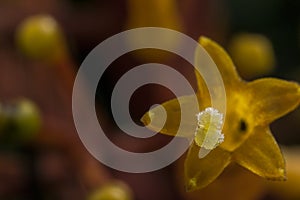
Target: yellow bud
252	54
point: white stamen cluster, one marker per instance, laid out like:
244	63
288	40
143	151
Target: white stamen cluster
208	133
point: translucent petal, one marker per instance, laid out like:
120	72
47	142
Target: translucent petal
174	116
221	59
261	155
200	172
235	183
288	189
272	98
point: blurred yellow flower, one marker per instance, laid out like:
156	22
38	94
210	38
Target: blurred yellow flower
251	107
154	13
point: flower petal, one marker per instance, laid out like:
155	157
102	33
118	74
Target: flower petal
200	172
272	98
168	117
221	59
261	155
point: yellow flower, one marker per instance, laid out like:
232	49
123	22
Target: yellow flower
251	107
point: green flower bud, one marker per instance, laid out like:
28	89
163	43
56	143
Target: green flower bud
3	119
20	121
115	190
40	37
27	119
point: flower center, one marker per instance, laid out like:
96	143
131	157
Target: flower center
208	134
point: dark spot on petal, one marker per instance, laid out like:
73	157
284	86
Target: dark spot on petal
243	125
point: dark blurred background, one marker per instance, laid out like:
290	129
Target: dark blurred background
55	164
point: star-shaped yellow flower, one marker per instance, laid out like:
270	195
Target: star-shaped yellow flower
251	107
